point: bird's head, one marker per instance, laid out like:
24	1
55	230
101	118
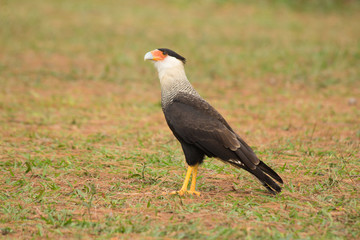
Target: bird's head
164	58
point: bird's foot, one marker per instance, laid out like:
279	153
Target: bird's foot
183	192
194	193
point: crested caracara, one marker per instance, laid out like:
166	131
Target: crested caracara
201	129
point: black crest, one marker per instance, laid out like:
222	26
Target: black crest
169	52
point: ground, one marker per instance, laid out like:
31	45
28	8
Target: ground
85	150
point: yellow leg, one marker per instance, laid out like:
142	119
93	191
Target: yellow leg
193	181
183	189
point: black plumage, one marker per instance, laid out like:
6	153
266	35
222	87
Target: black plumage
202	130
171	53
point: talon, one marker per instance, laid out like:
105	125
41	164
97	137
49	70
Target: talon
194	192
185	192
181	193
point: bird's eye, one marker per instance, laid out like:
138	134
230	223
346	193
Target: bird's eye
164	53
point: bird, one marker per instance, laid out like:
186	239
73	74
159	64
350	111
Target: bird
200	128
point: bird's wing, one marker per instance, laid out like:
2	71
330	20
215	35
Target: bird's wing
196	122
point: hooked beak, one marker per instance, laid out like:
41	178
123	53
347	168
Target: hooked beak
148	56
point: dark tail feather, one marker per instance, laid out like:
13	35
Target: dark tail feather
265	180
265	168
261	171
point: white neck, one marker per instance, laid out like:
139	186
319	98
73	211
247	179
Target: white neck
172	79
169	64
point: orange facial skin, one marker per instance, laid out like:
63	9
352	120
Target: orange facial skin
158	55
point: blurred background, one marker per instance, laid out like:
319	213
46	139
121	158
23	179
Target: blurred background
66	59
105	40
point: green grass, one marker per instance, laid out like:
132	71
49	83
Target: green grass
86	153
